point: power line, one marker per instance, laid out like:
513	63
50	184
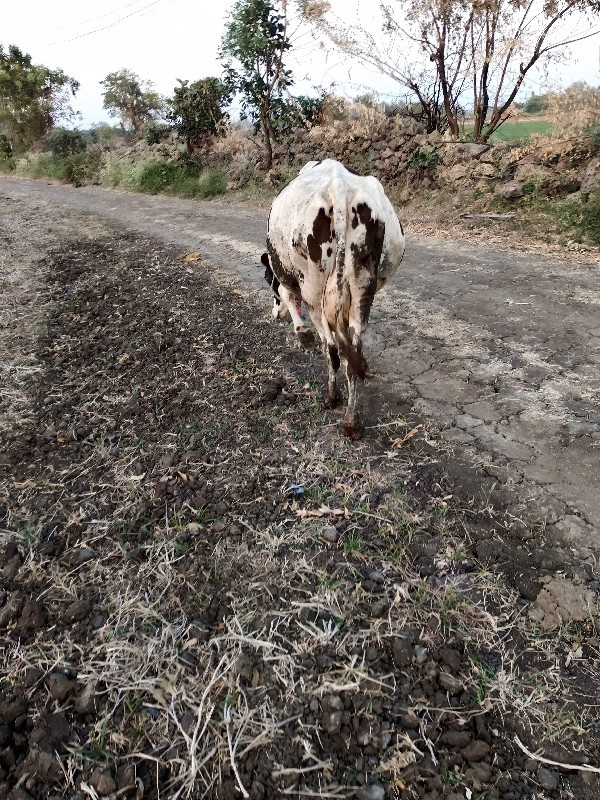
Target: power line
136	13
96	18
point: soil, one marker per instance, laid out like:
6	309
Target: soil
205	591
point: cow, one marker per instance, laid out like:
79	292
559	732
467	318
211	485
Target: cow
333	240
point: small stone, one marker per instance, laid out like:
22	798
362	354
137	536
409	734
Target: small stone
547	778
421	654
476	750
103	782
376	576
511	190
457	738
125	776
480	772
332	722
402	652
9	572
451	684
76	611
330	534
379	609
86	702
79	557
451	658
59	686
33	615
374	792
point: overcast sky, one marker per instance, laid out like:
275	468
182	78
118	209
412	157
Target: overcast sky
163	40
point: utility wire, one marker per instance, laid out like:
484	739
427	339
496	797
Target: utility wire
87	21
137	12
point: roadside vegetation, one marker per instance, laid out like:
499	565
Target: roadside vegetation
187	144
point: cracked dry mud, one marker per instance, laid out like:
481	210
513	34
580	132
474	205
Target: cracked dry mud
178	620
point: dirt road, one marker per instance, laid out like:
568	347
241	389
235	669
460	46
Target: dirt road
501	349
207	592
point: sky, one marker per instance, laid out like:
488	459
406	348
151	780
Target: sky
164	40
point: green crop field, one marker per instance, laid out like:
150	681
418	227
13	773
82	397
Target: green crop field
518	130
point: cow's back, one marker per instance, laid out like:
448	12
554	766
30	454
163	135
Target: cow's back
305	229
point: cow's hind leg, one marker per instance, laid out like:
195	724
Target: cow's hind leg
351	425
333	397
305	336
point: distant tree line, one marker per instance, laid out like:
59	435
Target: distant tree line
472	54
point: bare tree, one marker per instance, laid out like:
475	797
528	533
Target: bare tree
462	52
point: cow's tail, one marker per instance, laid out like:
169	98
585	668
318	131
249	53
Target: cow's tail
357	365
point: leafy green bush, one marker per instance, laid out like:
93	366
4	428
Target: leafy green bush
62	142
118	173
82	167
6	150
211	183
103	132
7	164
536	104
426	157
154	132
583	217
157	176
179	177
42	165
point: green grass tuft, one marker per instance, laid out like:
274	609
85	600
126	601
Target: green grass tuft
583	217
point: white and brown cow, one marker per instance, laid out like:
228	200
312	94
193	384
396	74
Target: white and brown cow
333	241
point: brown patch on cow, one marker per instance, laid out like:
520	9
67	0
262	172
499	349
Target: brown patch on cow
366	300
354	218
329	252
356	362
284	276
334	357
321	233
300	247
368	254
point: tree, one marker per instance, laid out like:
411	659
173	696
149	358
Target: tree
33	98
447	50
535	104
197	110
63	143
254	45
132	100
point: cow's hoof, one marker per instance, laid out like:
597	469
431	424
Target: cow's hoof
353	429
332	400
306	337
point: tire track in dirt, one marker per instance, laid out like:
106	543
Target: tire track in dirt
500	349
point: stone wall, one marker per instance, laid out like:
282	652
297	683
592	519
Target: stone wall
401	155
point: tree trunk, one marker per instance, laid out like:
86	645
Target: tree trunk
268	134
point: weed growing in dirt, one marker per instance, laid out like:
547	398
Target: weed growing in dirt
583	217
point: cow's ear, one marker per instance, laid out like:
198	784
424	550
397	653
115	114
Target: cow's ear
265	260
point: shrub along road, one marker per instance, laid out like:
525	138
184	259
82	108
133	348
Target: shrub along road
206	591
